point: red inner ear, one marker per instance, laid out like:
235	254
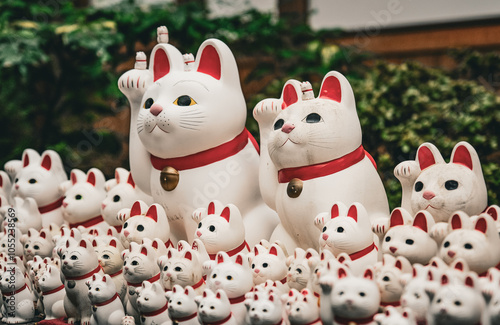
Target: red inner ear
220	259
368	274
152	213
130	180
46	162
481	225
188	256
239	260
210	62
94	243
353	213
469	282
444	279
396	218
462	157
420	222
273	251
161	64
155	244
211	208
91	178
398	265
335	211
83	244
308	255
112	243
136	209
225	214
26	160
459	266
425	157
491	211
341	259
331	89
289	96
73	178
342	273
456	223
144	251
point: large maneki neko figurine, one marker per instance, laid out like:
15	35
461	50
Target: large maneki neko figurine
188	141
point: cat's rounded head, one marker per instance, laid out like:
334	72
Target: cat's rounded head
213	307
145	222
118	197
313	131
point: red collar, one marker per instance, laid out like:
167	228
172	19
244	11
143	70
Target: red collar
393	304
116	273
315	321
205	157
237	300
110	300
198	284
183	319
354	321
305	173
87	275
88	223
283	280
52	206
15	292
157	312
363	252
153	279
222	321
233	251
48	292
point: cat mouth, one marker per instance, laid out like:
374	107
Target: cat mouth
430	206
288	139
157	126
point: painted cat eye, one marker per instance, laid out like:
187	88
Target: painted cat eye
419	186
148	103
313	118
279	124
451	185
184	100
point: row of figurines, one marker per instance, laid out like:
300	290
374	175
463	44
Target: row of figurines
94	280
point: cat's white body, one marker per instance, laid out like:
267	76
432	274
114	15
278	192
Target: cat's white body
53	292
109	256
79	263
235	278
121	193
39	178
82	202
349	298
5	187
308	144
139	264
18	298
431	184
152	304
182	307
107	308
348	231
215	308
411	241
26	212
192	124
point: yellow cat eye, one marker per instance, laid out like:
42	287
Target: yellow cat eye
184	100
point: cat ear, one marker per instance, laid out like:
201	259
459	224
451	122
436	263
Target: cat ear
368	274
428	155
493	211
214	58
398	217
211	208
209	62
130	180
83	243
273	251
444	280
144	251
188	255
398	265
161	63
464	154
91	178
291	93
341	272
226	214
136	209
96	178
46	162
218	295
335	212
353	212
424	221
94	243
337	88
30	156
152	213
112	242
239	259
456	222
486	224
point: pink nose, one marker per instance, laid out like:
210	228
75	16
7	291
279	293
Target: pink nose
156	109
287	128
198	233
103	206
65	204
393	249
428	195
257	271
17	186
451	253
126	233
324	236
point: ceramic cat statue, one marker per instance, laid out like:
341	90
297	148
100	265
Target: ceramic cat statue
268	264
121	193
107	308
215	308
348	231
307	144
300	266
39	178
52	292
392	316
221	230
303	309
264	308
5	186
18	298
82	203
188	142
431	184
37	243
388	278
181	268
27	213
182	307
152	304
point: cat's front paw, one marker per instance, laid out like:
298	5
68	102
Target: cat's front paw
326	283
266	111
123	215
380	226
439	231
134	83
208	266
199	214
128	320
407	171
12	167
321	219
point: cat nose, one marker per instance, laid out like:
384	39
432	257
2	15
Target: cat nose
198	233
156	109
103	206
287	128
257	271
451	254
393	249
17	186
65	204
126	233
324	236
428	195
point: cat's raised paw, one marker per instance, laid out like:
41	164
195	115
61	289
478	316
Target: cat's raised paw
407	170
266	110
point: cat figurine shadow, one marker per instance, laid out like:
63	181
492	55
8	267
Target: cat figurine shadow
431	184
107	308
82	202
121	192
307	144
39	178
188	142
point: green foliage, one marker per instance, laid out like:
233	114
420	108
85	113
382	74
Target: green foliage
60	65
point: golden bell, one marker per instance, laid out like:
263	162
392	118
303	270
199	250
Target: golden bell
294	188
169	178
